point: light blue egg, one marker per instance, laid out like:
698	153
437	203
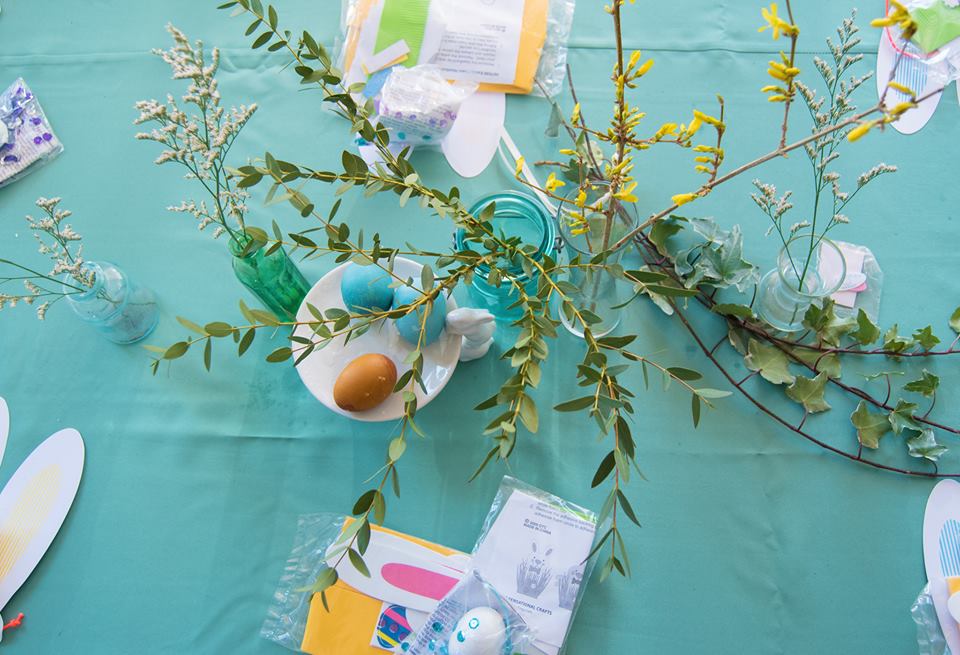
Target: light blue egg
409	325
366	289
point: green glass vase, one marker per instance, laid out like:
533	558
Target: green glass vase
273	278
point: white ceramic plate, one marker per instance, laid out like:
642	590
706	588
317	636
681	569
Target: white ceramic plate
320	369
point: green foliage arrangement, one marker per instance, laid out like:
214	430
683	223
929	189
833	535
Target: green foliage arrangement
690	265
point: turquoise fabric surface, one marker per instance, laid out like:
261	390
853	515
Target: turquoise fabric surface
753	540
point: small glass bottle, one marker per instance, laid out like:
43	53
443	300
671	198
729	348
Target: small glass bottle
587	233
274	279
787	292
515	215
121	310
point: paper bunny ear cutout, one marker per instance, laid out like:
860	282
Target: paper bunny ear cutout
34	504
941	555
4	426
475	137
914	72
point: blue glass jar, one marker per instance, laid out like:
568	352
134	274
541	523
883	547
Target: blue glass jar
121	310
515	215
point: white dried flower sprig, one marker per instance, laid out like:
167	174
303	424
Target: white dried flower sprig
60	243
202	140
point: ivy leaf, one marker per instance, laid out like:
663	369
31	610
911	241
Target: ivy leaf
955	321
664	229
926	338
895	343
718	260
866	332
829	364
809	393
925	445
927	384
770	362
902	417
870	425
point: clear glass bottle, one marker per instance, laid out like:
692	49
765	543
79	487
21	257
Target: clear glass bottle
120	309
516	215
274	279
787	292
587	234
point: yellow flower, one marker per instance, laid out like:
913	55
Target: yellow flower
860	130
553	183
897	16
581	199
626	193
683	198
776	24
520	162
575	118
905	90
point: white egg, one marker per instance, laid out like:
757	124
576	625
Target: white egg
481	631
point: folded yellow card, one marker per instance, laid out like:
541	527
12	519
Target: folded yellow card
369	615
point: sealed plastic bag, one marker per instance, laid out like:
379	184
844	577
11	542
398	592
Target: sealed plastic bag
473	619
367	613
508	46
534	549
930	639
419	106
27	141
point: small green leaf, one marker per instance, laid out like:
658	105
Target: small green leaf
866	332
695	409
575	405
279	355
218	329
770	362
955	321
870	425
397	448
810	393
927	384
261	40
207	354
730	309
901	418
627	508
925	445
190	325
604	470
926	338
177	350
685	374
358	563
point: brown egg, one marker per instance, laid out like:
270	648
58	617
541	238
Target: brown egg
365	382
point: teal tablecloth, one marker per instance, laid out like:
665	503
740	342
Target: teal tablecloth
753	541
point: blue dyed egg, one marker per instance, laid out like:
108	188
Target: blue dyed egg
409	325
366	289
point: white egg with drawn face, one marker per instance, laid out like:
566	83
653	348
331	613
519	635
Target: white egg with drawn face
481	631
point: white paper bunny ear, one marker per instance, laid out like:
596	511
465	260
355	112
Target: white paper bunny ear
913	72
34	505
941	555
473	141
4	426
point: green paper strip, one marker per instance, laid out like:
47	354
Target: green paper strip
937	25
403	19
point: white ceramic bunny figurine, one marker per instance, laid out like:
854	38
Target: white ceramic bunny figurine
476	326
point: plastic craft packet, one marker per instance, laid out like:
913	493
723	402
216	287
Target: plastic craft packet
473	619
419	106
508	46
27	141
534	550
367	615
